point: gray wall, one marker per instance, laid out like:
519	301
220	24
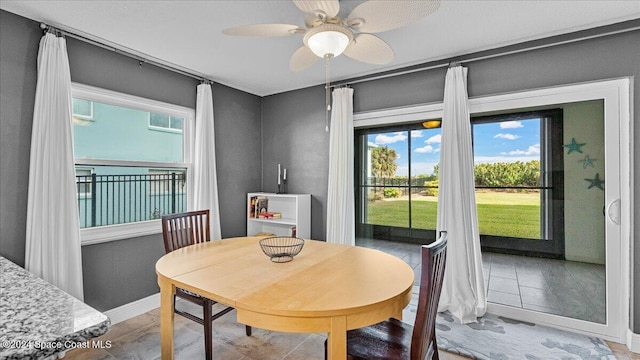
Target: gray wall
603	58
118	272
18	56
294	136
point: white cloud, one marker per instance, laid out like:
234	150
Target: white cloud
435	139
532	150
371	144
425	149
416	133
383	139
506	136
511	125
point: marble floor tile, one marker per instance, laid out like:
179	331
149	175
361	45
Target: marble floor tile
144	343
543	309
503	272
541	298
312	348
505	285
88	354
532	281
504	298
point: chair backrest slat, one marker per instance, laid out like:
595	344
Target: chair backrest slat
434	258
180	230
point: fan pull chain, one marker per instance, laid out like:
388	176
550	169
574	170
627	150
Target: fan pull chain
327	89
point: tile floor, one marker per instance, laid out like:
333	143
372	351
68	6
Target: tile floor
566	288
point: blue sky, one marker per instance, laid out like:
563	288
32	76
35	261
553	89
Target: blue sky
507	141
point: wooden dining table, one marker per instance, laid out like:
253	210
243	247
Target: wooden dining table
326	288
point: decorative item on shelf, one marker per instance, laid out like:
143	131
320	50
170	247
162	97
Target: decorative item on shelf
282	180
265	234
262	206
276	215
253	206
279	181
292	231
281	248
266	215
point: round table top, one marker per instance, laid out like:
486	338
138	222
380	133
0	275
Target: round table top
323	280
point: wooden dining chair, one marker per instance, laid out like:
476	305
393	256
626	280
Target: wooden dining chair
180	230
393	339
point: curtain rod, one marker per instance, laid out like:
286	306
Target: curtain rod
121	50
520	48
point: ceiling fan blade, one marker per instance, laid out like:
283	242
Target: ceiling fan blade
311	20
380	15
329	7
263	30
370	49
302	59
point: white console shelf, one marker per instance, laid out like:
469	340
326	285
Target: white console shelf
295	210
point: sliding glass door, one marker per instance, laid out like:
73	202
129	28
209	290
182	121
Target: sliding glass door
519	177
518	174
397	182
552	173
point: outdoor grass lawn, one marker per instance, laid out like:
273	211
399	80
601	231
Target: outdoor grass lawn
499	213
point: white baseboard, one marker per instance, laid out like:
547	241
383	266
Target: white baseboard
633	341
133	309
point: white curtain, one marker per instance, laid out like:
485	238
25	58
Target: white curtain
52	249
204	193
340	199
463	292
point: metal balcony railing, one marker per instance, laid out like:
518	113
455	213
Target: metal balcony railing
119	199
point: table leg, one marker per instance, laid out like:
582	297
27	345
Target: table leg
167	291
337	339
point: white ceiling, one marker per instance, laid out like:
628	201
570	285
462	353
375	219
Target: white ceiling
189	33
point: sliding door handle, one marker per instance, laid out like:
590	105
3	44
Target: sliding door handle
613	211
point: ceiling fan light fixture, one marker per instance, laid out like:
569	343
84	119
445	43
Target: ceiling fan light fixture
328	40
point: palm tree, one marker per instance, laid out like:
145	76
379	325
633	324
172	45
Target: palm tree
383	161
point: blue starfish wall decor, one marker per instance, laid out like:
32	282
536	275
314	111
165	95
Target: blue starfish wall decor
574	146
587	161
596	182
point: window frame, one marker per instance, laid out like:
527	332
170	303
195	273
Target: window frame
95	235
165	128
85	194
81	116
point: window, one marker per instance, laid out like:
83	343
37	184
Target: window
83	181
518	173
128	174
82	109
165	122
398	186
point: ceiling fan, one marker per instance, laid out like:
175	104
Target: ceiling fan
327	35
